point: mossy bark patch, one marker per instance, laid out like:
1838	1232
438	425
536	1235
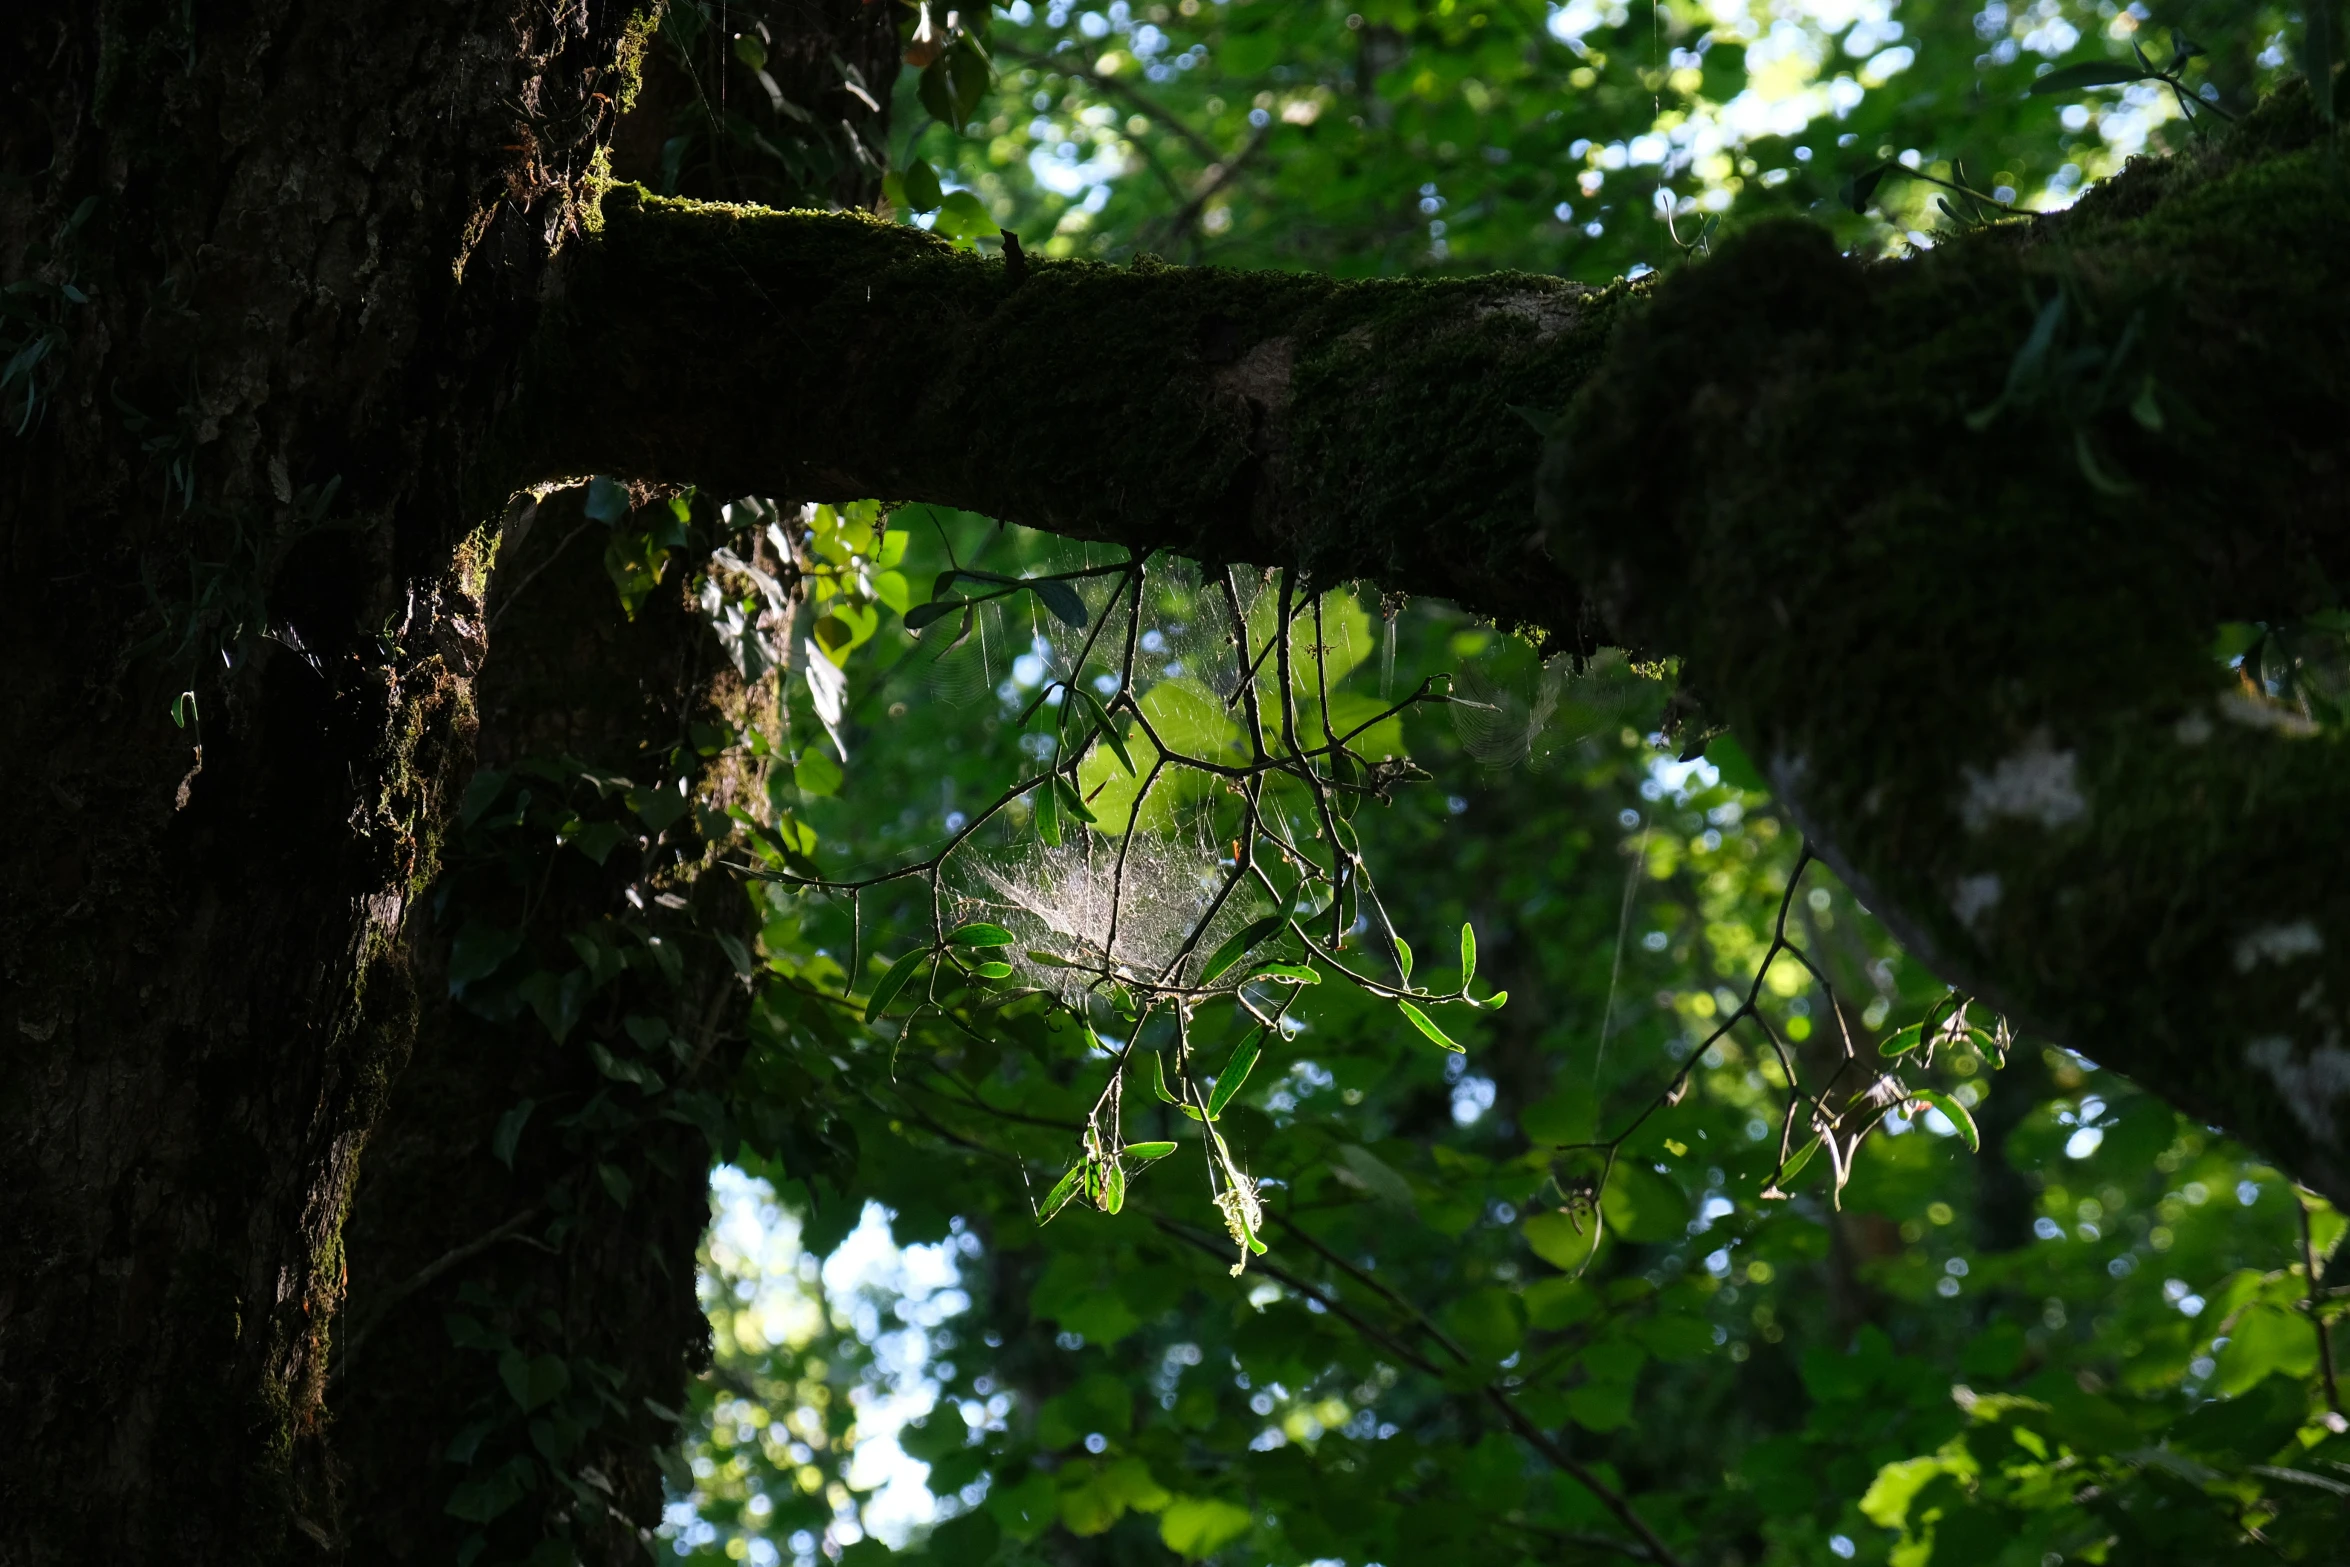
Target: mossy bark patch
1353	428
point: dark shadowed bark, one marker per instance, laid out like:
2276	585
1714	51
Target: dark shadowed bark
284	257
574	1237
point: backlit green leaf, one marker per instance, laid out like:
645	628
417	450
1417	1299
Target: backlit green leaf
1063	1189
1426	1025
1237	947
1958	1114
893	982
1244	1060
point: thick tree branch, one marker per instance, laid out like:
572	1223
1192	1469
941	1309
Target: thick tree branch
1357	429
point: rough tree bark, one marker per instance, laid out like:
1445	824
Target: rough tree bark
574	1237
285	258
272	270
287	273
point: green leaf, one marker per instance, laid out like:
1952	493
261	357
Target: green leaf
558	1002
1796	1161
1737	769
478	951
1857	190
606	502
1403	960
623	1070
1958	1114
922	188
937	609
1048	814
993	971
616	1182
509	1133
1238	946
1564	1240
1146	1152
1051	959
1070	800
1159	1078
1113	1192
1376	1176
480	794
1643	1206
1057	596
1569	1114
979	933
2265	1339
2089	73
1902	1040
969	76
1468	953
937	96
962	216
1063	1189
816	772
1291	973
1244	1060
486	1498
1421	1021
1494	1002
1198	1527
1108	730
893	982
533	1380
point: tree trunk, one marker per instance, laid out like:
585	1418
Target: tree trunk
283	259
535	1190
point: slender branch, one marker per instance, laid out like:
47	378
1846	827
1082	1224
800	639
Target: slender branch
1534	1436
1142	101
2325	1339
1217	177
455	1257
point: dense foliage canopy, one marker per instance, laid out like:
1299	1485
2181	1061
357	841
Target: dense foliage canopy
1134	1159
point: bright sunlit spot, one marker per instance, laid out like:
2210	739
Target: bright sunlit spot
765	1292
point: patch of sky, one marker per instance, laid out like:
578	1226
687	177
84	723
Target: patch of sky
894	1298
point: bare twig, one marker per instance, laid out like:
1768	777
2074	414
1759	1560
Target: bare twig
455	1257
2325	1339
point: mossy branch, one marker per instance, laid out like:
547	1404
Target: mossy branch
1363	429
